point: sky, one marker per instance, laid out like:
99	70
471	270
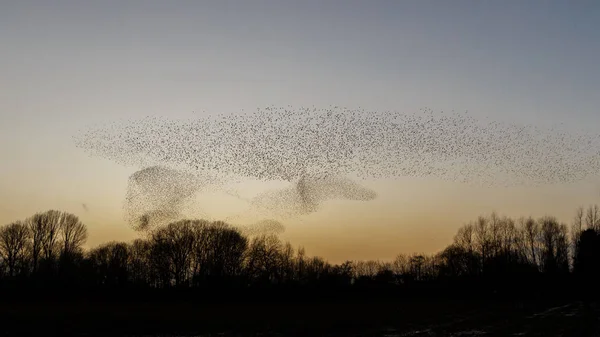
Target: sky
66	65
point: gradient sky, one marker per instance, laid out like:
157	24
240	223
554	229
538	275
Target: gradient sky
67	64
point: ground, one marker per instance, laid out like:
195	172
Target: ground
390	319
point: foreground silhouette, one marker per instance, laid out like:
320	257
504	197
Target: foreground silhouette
500	275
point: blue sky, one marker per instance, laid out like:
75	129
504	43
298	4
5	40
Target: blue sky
531	59
68	64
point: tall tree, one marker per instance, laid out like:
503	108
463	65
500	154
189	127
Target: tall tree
50	222
554	254
13	246
592	218
531	233
73	233
175	243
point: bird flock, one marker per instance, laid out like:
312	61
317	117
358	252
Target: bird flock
307	195
158	194
317	150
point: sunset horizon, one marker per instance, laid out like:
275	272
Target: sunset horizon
300	168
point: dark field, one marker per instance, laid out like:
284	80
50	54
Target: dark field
316	318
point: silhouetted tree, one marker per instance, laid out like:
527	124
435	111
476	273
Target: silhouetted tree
400	265
218	251
592	218
263	259
99	258
140	271
576	230
532	233
492	254
73	233
554	253
317	269
286	263
37	228
343	274
587	263
417	262
174	244
13	247
110	264
51	223
456	262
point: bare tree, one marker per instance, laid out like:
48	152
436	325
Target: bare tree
45	229
317	268
287	263
576	230
73	232
554	254
509	244
367	269
37	228
495	225
262	258
562	249
531	233
300	267
99	259
202	251
467	241
521	243
139	262
13	246
118	262
218	250
417	266
400	264
455	261
483	240
465	238
578	219
110	263
54	232
592	218
175	243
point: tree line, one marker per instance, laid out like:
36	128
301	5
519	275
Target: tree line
492	253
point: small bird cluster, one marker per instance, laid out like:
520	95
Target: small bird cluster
309	146
307	195
156	195
263	227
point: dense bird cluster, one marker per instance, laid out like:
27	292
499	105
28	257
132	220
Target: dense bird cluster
286	143
309	147
157	194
